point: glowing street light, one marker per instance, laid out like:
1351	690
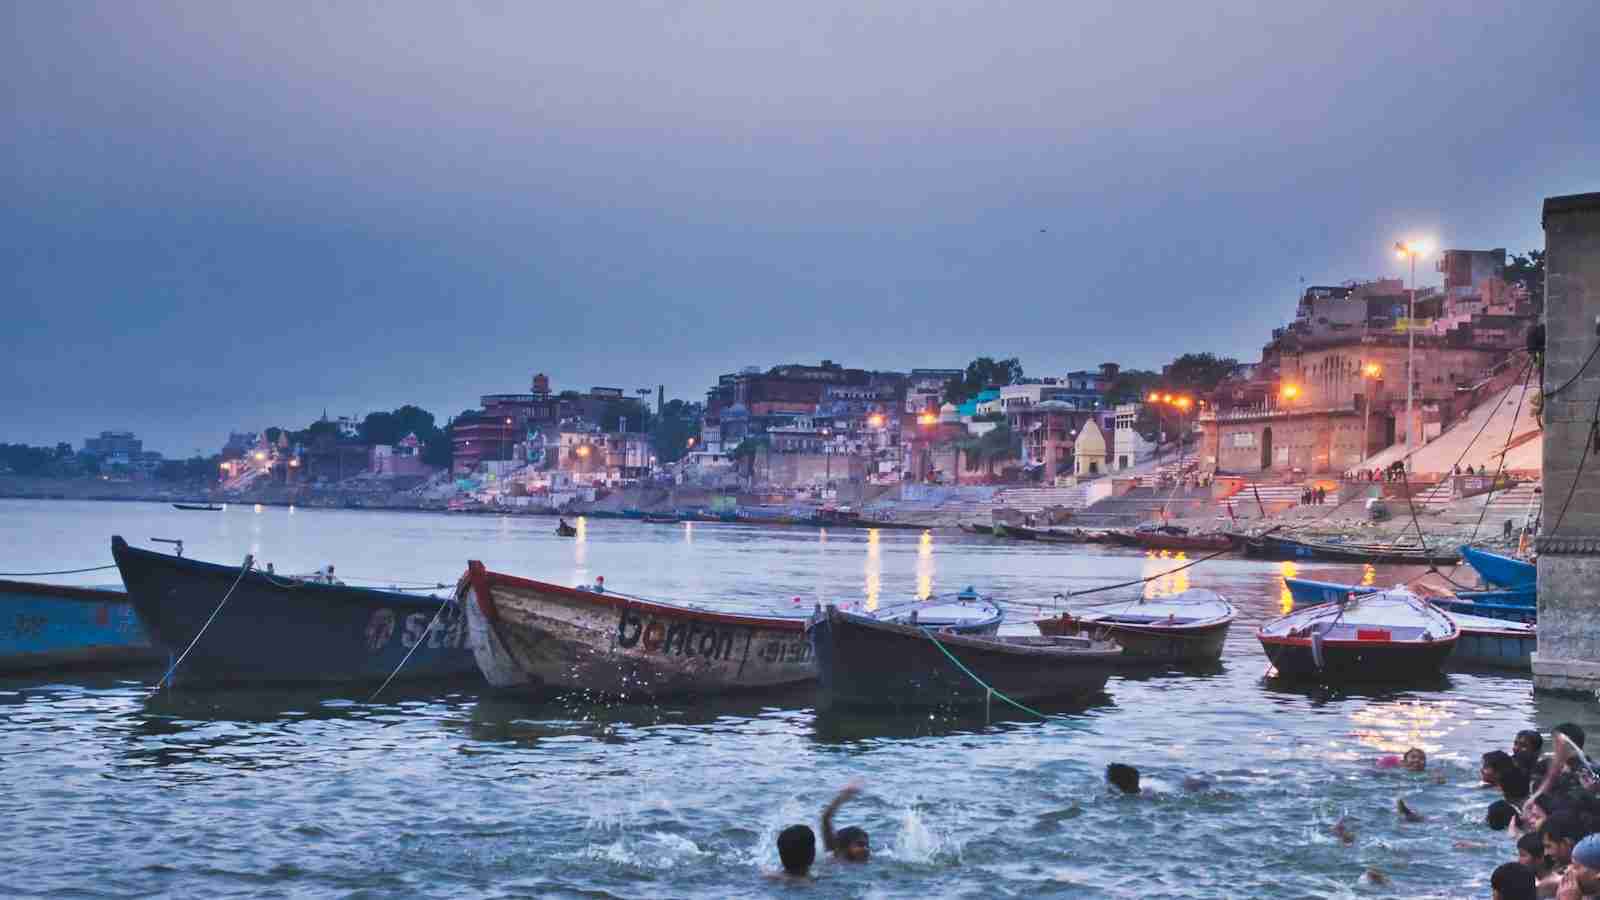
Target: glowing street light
875	420
1289	391
1374	371
1410	250
927	419
260	456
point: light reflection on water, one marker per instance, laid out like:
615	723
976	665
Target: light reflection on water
459	792
1161	567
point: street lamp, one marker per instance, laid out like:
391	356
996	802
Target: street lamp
505	438
1374	372
1409	250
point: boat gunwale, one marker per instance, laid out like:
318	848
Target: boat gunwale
1412	600
982	643
484	579
345	592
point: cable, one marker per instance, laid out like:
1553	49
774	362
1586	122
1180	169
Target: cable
1594	435
981	683
431	622
62	572
1576	375
248	562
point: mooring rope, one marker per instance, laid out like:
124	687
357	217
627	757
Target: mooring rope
249	561
992	693
407	657
62	572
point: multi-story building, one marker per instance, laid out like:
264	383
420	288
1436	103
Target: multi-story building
114	447
504	426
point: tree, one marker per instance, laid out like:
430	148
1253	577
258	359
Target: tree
982	374
1132	386
674	424
63	450
1198	373
1528	271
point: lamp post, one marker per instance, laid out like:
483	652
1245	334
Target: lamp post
1408	250
505	438
1373	372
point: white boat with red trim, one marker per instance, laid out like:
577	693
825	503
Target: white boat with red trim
1382	636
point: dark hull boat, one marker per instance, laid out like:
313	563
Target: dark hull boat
1186	543
276	629
975	528
543	638
1188	628
1485	640
1501	571
1282	548
862	661
1383	636
966	613
653	519
197	507
566	531
1492	605
58	627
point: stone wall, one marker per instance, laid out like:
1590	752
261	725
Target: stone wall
1568	658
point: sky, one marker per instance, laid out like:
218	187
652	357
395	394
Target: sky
221	216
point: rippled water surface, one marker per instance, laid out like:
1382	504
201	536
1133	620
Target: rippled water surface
457	792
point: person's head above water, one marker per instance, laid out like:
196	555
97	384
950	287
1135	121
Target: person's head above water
1530	851
1562	831
852	844
1494	763
1586	864
1513	881
1500	815
1527	743
1414	759
1123	777
797	849
1572	730
1514	784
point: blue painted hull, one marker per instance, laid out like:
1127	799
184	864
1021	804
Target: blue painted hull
279	630
46	626
1477	646
1501	571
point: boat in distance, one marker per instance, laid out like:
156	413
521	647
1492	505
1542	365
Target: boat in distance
197	507
543	638
1268	546
1190	627
54	626
1485	640
862	661
1388	635
275	629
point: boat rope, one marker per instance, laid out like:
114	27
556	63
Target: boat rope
1576	375
991	692
403	660
1194	562
62	572
166	679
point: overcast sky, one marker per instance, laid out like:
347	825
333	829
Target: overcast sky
223	216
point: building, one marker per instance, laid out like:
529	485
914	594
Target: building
115	447
1129	445
925	388
506	427
1093	451
1330	389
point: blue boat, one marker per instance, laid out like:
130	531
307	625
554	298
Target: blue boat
1490	635
51	626
278	629
1501	571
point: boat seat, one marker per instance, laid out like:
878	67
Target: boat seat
1344	632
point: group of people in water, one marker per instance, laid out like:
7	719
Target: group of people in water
1550	809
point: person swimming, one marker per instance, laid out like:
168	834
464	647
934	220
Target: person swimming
1123	777
1513	881
797	850
849	844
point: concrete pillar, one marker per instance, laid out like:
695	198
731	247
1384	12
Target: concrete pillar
1568	658
1049	460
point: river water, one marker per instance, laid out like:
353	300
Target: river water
456	792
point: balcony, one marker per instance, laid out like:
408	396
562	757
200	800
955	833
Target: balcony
1276	412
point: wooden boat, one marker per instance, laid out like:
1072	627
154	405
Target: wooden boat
975	528
661	519
1485	640
565	530
1190	627
964	613
52	626
198	507
277	629
1016	532
862	661
1489	608
1501	571
542	638
1269	546
1188	543
1382	636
